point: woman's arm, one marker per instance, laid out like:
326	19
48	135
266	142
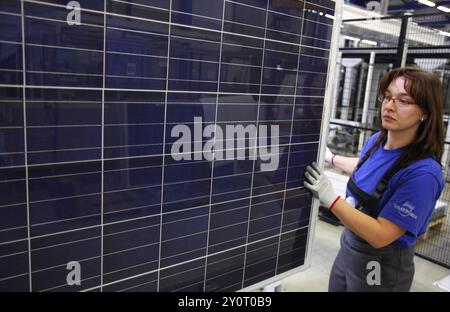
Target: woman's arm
378	232
346	164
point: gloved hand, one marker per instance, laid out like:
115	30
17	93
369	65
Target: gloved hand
328	155
319	184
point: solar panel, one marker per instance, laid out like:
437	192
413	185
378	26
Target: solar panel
122	164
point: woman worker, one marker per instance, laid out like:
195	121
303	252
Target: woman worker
393	188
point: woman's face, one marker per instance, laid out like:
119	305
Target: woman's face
399	111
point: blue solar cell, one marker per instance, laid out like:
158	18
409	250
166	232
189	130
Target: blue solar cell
12	28
11	57
207	8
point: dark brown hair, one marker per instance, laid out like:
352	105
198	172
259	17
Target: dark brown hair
426	90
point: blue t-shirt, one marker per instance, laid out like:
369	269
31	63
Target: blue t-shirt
411	194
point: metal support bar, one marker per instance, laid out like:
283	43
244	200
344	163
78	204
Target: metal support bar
367	98
445	156
335	90
365	19
402	45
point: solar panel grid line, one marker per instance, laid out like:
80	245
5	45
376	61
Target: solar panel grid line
50	4
65	220
163	162
61	265
193	269
320	23
147	267
63	232
301	248
15	276
116	282
136	18
126	250
237	23
128	231
13	228
61	22
117	211
12	180
60	47
11	70
67	243
10	13
248	5
227	226
196	15
67	197
133	287
198	39
259	262
131	77
90	280
142	5
224	256
283	32
187	59
69	125
13	254
54	289
13	241
157	91
226	245
62	149
229	44
12	153
224	274
10	42
140	32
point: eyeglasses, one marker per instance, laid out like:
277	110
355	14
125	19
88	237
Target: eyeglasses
398	102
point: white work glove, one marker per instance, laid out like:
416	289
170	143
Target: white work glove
320	186
328	155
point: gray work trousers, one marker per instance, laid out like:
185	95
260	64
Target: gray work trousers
359	267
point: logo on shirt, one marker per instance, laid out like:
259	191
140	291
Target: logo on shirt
406	210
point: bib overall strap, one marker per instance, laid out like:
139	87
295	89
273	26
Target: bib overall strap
383	184
362	161
367	201
370	201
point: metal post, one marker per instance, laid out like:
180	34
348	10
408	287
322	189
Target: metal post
402	48
349	64
384	7
367	98
356	108
445	155
335	91
348	77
